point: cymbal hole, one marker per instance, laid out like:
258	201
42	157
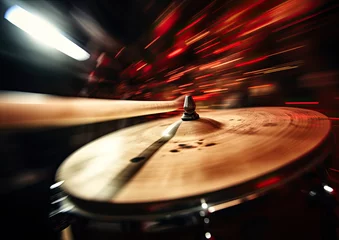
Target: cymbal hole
174	150
210	144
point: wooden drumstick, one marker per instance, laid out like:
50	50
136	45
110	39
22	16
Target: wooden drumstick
29	110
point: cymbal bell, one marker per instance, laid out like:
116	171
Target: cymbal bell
171	159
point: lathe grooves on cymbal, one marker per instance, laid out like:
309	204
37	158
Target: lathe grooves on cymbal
219	150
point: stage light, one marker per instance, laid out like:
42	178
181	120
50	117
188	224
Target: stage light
328	188
44	32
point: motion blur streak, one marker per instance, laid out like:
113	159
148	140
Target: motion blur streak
152	42
301	103
263	52
228	62
175	53
251	62
197	38
285	51
261	86
203	76
268	182
305	18
204	49
44	32
215	90
185	85
141	67
120	51
192	24
236	44
204	44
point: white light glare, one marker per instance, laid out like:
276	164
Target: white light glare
55	185
211	209
204	205
208	235
44	32
328	188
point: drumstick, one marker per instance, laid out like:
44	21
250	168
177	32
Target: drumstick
29	110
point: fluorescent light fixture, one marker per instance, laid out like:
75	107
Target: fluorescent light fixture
44	32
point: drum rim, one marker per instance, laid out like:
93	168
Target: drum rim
215	201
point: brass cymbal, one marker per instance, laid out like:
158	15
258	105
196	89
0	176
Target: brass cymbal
172	159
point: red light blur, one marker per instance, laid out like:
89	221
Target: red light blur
203	97
152	42
147	68
206	85
251	62
304	19
201	50
175	53
220	50
268	182
189	91
185	85
191	25
261	86
203	76
103	60
215	90
283	12
205	43
117	55
167	23
142	66
173	79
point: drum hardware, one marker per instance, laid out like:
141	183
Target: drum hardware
322	197
320	194
189	110
59	213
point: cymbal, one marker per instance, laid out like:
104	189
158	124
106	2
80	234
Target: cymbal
170	159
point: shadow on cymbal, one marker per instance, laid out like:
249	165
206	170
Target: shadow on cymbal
136	163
